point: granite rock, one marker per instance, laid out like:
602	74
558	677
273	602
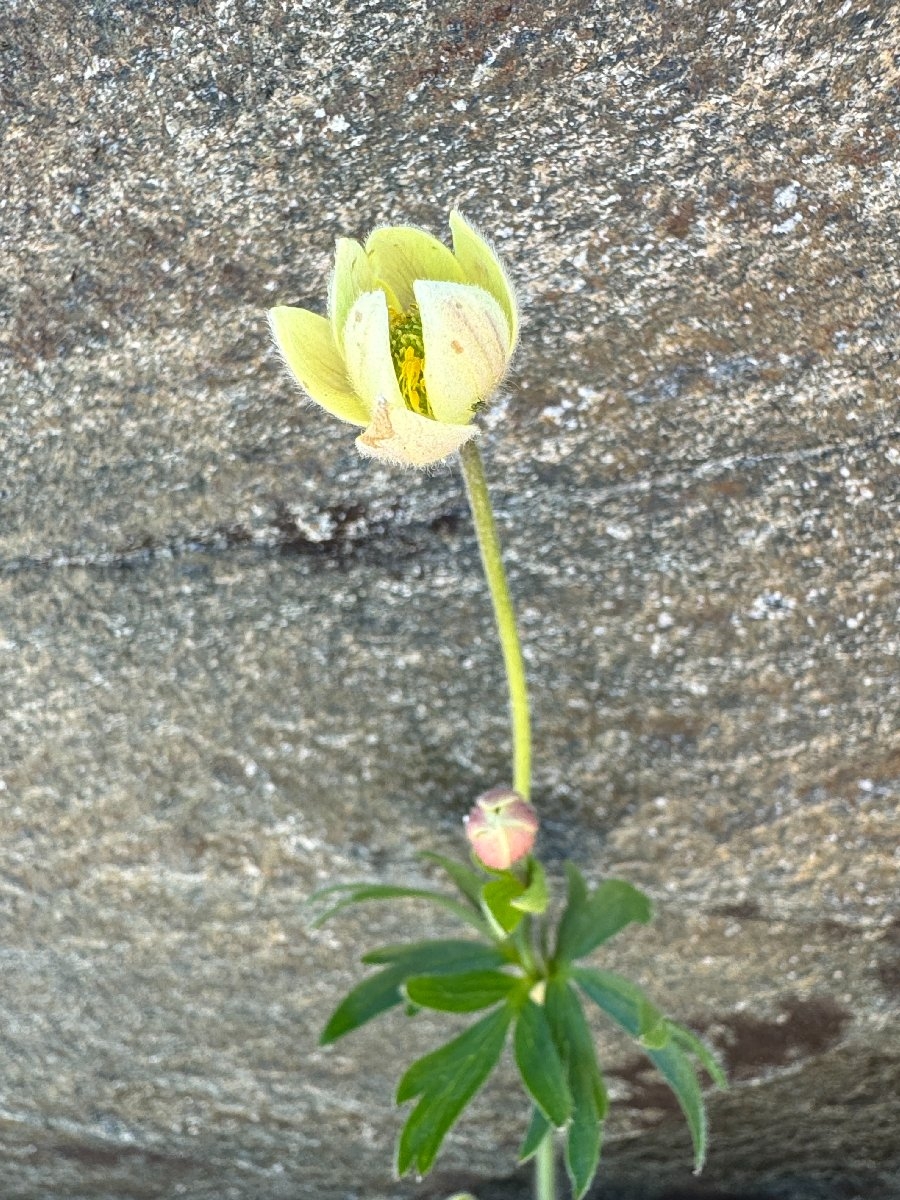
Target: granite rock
238	662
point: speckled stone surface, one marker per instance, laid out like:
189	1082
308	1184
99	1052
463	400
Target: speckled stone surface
237	662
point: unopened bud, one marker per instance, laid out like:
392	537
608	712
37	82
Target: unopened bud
501	828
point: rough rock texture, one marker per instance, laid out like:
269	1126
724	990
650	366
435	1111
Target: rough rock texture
237	662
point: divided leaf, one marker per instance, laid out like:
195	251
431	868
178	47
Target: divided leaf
538	1128
468	881
554	1049
535	897
666	1044
540	1066
445	1081
499	900
689	1041
590	1102
382	991
591	920
460	954
675	1067
617	996
465	992
358	893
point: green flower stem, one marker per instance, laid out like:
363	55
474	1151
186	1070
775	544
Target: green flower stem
545	1170
492	561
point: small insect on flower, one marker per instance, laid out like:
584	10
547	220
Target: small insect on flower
416	339
501	828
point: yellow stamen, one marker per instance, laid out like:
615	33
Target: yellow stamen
408	353
412	385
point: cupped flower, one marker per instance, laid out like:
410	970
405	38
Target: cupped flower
501	828
416	339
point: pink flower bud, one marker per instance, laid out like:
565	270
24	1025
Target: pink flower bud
501	828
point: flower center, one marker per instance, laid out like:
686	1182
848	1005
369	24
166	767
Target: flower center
408	353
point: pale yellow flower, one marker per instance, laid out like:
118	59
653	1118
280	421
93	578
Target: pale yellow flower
416	339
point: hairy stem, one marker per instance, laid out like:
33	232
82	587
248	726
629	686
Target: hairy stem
492	561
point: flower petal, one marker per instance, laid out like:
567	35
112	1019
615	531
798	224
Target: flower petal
367	351
307	347
466	340
401	254
352	275
398	435
482	267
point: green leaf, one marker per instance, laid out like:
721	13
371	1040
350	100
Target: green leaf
578	889
574	917
617	996
583	1141
358	893
591	920
538	1128
573	1040
675	1067
629	1007
368	999
656	1031
460	953
466	992
498	896
572	1036
625	1003
540	1066
446	1080
468	881
690	1042
662	1040
381	991
534	899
